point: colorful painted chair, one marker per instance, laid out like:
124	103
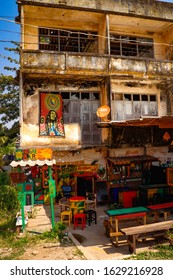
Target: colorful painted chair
66	216
80	220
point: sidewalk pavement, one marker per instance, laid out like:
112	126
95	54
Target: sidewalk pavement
91	241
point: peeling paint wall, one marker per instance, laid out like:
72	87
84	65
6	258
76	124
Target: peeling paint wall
147	8
55	71
126	152
30	122
161	153
31	138
47	63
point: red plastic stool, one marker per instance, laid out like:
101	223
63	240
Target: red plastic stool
79	219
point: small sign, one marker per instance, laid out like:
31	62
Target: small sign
52	188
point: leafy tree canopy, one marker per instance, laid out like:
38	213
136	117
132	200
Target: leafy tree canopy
9	99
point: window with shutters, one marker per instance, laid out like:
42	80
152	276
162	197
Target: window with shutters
81	107
126	106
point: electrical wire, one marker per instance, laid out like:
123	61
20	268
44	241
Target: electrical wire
83	33
9	31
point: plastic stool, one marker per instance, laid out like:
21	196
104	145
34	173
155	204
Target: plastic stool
91	216
79	219
66	216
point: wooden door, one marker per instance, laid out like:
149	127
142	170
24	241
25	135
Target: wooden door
91	134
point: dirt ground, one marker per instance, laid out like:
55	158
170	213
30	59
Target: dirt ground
53	251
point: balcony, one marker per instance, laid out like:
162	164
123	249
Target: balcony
75	64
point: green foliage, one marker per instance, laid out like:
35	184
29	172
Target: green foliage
169	236
13	247
7	225
21	242
33	213
56	232
9	202
7	144
4	178
9	93
165	252
59	228
9	99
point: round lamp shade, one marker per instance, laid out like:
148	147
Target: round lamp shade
103	111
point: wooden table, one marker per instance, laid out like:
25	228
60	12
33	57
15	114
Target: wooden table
162	207
77	204
124	213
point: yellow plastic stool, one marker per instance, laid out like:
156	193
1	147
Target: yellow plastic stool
66	216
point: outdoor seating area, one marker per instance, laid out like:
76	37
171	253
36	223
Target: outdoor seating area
78	210
123	226
129	230
150	219
78	196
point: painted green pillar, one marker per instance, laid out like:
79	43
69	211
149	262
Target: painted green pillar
52	194
21	196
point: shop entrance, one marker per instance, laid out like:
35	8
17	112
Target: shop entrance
84	184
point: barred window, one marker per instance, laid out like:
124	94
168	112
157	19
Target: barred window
68	40
131	46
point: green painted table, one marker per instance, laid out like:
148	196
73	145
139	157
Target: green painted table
124	213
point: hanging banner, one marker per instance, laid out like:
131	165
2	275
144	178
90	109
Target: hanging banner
51	117
33	154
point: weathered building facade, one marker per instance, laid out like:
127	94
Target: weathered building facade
95	53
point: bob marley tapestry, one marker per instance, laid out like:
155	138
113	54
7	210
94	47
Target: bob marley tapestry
51	117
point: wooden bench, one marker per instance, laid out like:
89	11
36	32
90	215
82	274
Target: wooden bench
133	233
115	232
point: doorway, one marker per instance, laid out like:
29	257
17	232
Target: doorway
84	184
